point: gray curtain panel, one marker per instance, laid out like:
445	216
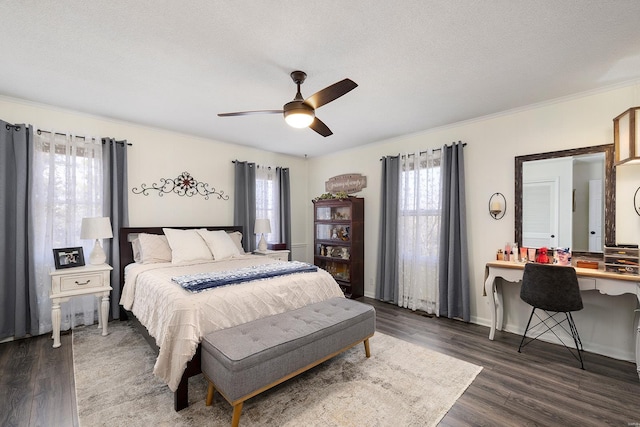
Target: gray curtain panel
18	305
387	271
116	207
244	202
453	271
282	175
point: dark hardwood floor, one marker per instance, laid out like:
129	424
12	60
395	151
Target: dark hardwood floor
36	383
542	386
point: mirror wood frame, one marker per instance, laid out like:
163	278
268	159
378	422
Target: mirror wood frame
609	198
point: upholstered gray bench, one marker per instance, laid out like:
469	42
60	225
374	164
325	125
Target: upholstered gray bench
245	360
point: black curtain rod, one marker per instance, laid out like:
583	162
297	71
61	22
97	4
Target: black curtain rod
40	131
15	127
257	165
422	152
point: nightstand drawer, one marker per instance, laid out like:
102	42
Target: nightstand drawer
80	281
280	256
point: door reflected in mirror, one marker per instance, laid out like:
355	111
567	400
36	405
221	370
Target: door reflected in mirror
562	202
566	199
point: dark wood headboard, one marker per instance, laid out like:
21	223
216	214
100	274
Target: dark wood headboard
127	234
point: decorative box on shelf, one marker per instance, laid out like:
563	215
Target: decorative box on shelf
622	259
277	246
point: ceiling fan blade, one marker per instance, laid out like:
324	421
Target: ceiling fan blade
247	113
319	126
330	93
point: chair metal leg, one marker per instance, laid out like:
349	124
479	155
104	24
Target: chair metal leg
551	318
526	329
576	338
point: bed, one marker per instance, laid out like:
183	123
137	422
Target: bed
174	320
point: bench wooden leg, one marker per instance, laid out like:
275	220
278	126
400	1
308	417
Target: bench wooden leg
237	409
367	351
210	392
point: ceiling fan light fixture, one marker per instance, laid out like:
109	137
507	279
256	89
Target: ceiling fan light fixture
298	115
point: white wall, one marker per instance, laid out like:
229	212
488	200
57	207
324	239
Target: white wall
606	322
159	154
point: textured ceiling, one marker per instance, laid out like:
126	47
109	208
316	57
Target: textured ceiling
419	64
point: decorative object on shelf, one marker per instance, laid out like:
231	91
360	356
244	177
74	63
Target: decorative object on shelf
183	185
562	256
587	264
622	258
626	137
344	254
523	254
68	257
262	226
542	256
346	183
96	228
636	201
340	195
497	207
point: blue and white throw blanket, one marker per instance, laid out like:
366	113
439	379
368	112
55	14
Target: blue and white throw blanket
203	281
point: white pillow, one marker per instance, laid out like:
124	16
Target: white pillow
186	245
135	247
236	236
220	244
154	248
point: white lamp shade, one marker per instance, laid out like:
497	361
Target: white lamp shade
299	120
96	228
262	226
297	114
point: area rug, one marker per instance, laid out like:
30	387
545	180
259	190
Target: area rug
402	384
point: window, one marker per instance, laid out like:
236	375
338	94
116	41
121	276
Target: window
268	201
419	230
66	187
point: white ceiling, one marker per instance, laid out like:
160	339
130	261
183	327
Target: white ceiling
419	64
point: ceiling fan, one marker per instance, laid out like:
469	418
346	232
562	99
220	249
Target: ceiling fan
300	112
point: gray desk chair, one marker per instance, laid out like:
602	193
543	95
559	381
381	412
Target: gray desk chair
555	290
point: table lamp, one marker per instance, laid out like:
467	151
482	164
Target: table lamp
262	226
96	228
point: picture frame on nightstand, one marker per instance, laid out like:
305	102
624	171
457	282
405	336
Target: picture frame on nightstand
68	257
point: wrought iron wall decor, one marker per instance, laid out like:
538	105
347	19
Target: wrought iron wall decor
636	201
183	185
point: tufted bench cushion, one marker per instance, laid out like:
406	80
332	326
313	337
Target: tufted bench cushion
244	360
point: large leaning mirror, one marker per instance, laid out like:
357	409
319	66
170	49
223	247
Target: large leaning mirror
566	199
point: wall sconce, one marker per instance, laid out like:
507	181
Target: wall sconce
626	137
497	207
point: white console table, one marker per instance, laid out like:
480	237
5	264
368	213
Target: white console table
588	279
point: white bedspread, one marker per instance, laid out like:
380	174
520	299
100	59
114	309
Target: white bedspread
179	319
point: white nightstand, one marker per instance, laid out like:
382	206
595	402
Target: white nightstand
76	281
282	255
